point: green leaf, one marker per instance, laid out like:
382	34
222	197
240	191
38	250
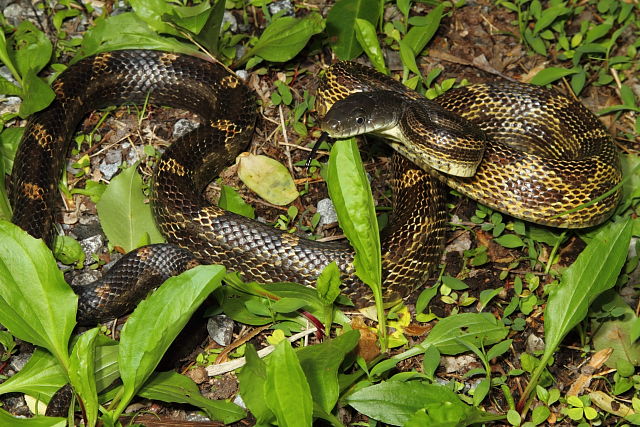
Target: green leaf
144	340
81	370
509	241
106	362
328	283
267	177
551	74
408	57
616	334
285	37
548	16
418	36
133	33
152	11
594	271
252	379
320	364
368	39
231	201
34	48
394	402
453	283
286	390
477	328
288	305
41	377
341	25
37	94
351	194
36	304
123	213
37	421
173	387
68	251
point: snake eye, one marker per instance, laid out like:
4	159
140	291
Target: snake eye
360	120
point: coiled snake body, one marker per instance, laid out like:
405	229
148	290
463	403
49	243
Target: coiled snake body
524	169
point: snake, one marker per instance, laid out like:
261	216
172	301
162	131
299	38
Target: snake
527	151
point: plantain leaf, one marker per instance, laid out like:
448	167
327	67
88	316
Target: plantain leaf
252	379
286	390
341	25
551	74
267	177
173	387
123	213
81	373
419	35
41	377
285	37
144	339
351	194
368	39
6	419
36	304
594	271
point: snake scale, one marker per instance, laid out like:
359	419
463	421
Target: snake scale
544	153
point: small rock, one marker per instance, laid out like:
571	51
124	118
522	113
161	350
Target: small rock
17	12
327	212
238	401
460	244
281	5
230	20
108	170
459	364
183	127
220	329
92	245
196	417
18	361
243	74
535	344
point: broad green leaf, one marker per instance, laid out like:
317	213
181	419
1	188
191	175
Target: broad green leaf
231	201
33	48
151	11
288	305
368	38
123	213
395	402
7	88
351	195
252	379
286	390
6	419
320	364
631	184
106	362
173	387
68	251
616	333
594	271
81	373
418	36
328	283
341	25
551	74
36	304
548	16
133	33
41	377
267	177
37	94
285	37
509	241
476	328
9	141
408	57
144	339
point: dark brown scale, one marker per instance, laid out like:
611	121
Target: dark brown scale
207	234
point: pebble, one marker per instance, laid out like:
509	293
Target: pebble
534	344
220	329
183	127
327	212
281	5
18	361
229	19
85	277
92	245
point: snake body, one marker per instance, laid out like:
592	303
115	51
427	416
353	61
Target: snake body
199	232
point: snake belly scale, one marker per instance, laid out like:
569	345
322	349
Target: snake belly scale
200	233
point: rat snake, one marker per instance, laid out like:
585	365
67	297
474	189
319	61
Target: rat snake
544	154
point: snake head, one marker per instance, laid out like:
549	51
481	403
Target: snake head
363	112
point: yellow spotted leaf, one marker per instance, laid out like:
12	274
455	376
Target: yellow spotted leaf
267	177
